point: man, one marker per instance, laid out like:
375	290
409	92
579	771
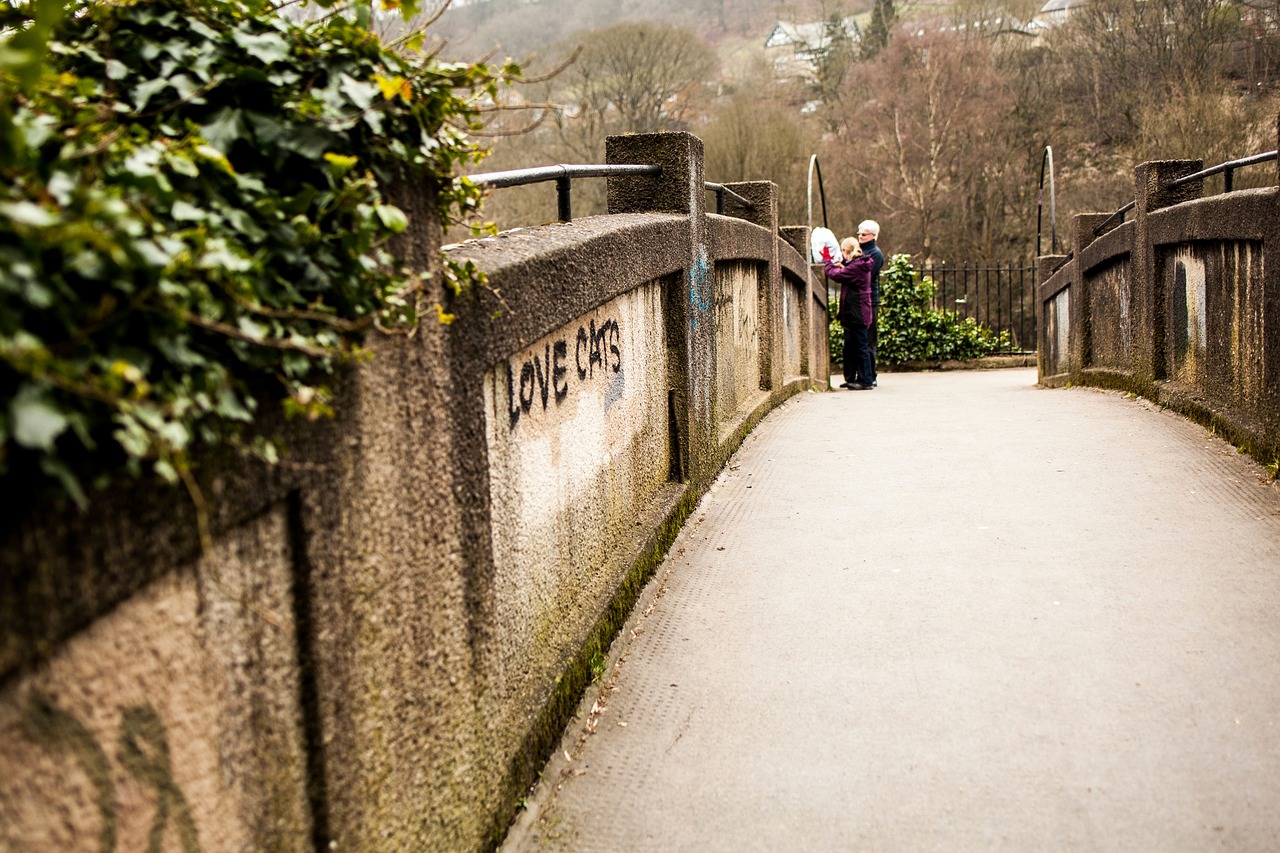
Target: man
868	233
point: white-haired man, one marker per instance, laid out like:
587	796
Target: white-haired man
868	233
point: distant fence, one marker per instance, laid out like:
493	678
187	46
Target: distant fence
1001	297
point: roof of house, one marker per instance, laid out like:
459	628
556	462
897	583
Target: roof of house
811	35
1060	6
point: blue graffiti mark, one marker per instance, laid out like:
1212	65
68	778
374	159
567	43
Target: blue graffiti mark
615	390
700	287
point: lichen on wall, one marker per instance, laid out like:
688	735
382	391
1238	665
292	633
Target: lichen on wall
1109	316
1189	316
1057	318
793	295
737	367
172	722
577	433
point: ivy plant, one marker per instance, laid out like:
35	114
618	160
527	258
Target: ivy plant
909	329
195	222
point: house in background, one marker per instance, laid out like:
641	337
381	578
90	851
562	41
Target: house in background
797	48
1055	12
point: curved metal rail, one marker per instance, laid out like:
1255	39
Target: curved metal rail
815	168
1053	204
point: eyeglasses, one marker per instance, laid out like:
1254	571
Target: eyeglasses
865	234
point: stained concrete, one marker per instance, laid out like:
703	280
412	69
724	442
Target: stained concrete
959	612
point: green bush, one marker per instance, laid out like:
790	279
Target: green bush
194	222
910	330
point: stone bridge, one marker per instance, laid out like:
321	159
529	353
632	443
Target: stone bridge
384	639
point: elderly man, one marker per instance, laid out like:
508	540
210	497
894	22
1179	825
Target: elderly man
868	233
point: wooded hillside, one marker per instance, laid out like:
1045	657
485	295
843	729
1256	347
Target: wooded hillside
933	121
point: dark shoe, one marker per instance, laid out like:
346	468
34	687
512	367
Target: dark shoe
858	386
845	385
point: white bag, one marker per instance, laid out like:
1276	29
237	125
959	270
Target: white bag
824	237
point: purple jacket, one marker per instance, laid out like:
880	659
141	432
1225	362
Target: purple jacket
855	289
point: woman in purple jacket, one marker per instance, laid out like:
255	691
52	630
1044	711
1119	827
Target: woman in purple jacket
854	313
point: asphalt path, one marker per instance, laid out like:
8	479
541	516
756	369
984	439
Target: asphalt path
957	612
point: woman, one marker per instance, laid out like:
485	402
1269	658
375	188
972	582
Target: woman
854	313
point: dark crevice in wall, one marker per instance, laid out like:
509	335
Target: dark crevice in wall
1178	305
308	688
675	312
676	472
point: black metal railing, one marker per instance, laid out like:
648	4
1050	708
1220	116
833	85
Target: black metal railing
721	191
563	174
1000	297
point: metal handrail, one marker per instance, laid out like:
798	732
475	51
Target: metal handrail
564	173
721	191
1106	223
1227	170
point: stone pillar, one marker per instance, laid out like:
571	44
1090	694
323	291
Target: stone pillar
690	302
797	236
1149	300
762	210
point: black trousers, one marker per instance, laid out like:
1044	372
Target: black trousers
857	355
871	339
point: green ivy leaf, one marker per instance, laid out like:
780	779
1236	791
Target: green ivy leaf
119	230
28	213
225	128
360	93
392	217
37	421
267	48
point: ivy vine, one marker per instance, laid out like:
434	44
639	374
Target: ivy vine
195	222
910	329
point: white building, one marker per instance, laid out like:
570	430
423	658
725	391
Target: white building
796	48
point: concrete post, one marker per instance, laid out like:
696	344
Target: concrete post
763	211
797	236
1149	300
690	302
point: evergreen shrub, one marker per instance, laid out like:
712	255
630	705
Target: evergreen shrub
195	222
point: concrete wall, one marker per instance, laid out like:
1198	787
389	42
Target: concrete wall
1179	305
386	633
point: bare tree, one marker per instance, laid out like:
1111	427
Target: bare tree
1118	56
924	144
756	137
648	75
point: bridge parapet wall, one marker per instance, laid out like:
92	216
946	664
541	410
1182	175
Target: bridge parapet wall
1180	305
388	632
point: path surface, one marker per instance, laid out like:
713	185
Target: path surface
955	613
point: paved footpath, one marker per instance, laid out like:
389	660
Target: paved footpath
955	613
